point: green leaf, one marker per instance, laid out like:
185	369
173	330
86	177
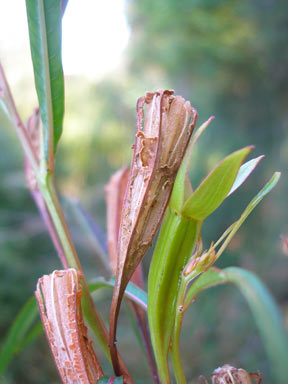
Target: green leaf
132	292
244	172
267	317
32	334
17	333
44	21
266	313
175	244
210	278
253	203
180	185
215	187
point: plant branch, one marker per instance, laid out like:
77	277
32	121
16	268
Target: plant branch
46	185
21	132
47	188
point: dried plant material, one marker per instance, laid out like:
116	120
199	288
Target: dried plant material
161	141
59	300
115	191
230	375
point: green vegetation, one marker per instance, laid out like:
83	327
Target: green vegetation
228	58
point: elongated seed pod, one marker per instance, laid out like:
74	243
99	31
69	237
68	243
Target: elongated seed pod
59	300
162	137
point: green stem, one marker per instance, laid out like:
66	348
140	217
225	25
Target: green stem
174	350
46	185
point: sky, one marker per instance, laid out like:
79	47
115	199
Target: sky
95	34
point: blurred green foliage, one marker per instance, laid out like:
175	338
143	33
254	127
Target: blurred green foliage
230	59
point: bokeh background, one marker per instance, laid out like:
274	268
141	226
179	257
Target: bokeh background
230	58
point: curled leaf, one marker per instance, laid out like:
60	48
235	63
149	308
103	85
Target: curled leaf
59	300
161	141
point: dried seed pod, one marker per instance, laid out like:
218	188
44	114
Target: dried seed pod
115	191
230	375
59	300
161	140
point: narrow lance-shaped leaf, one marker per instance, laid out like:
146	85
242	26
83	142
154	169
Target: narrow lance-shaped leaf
59	300
253	204
209	257
44	21
263	306
17	332
212	277
267	317
215	187
132	292
244	172
159	149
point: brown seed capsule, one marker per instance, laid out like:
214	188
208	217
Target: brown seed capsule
161	140
230	375
115	191
59	300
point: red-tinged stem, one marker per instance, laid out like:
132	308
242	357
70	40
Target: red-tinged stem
16	121
42	208
46	186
